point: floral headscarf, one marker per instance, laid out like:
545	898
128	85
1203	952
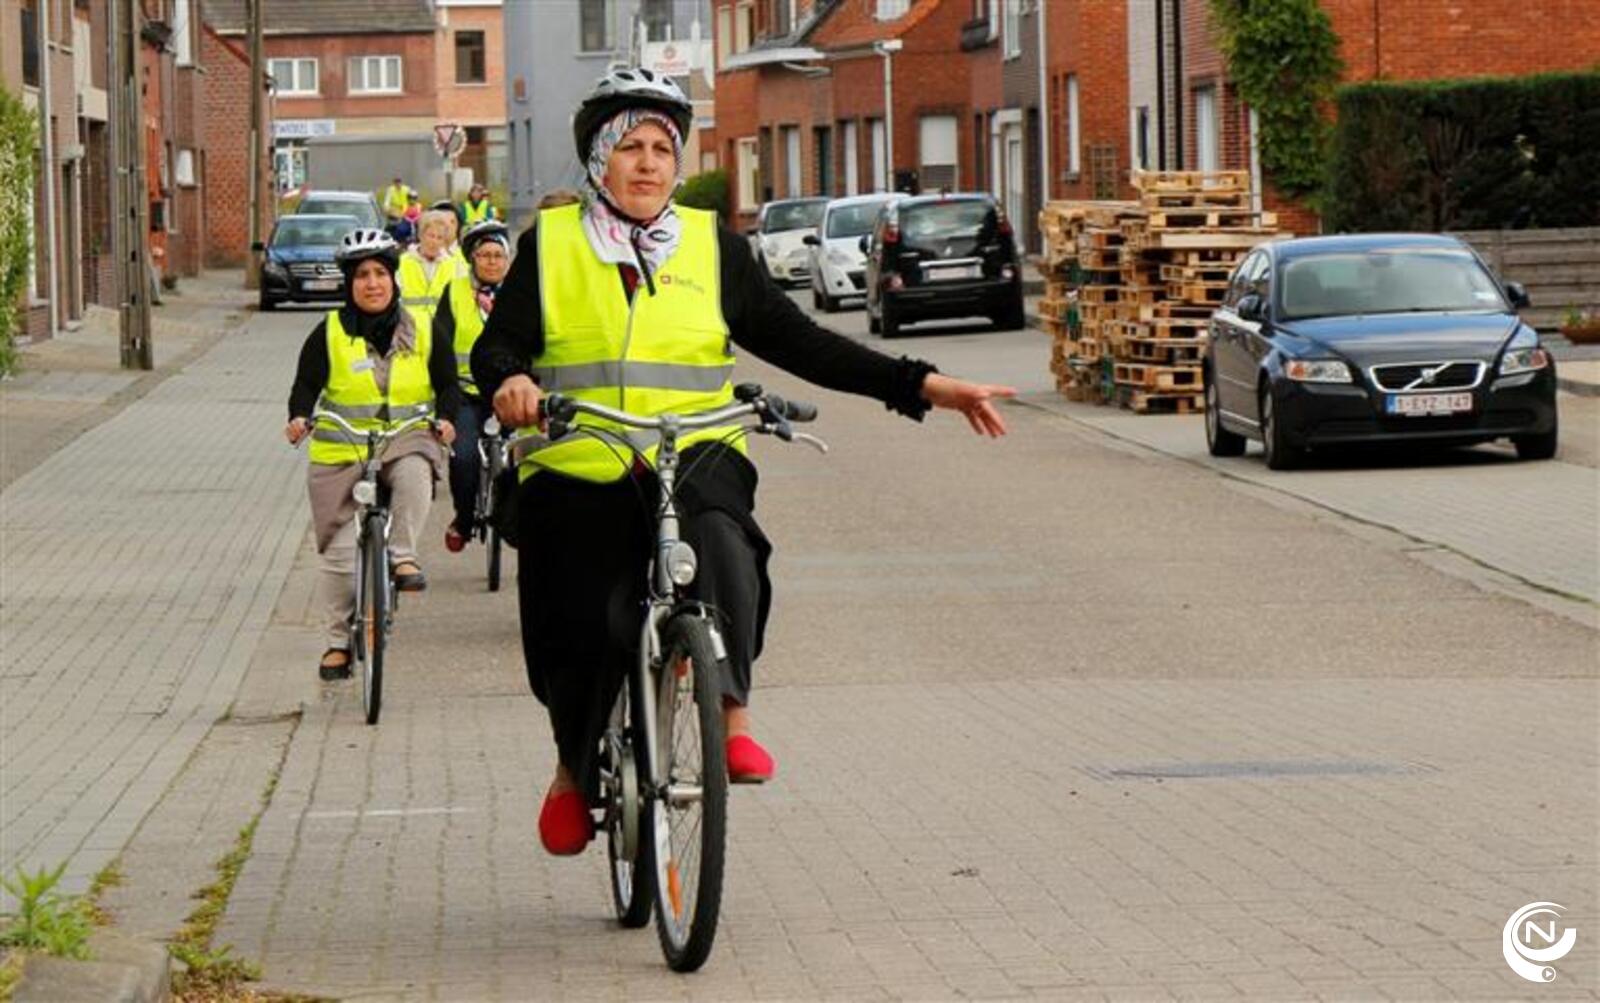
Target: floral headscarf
617	239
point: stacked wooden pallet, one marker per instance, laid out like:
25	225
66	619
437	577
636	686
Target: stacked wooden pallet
1136	299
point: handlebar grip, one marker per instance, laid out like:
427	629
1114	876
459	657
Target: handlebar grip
799	411
555	429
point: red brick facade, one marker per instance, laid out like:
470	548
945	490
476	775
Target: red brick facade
227	189
1088	40
418	79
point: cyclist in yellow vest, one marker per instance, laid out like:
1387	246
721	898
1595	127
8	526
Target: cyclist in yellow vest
458	321
370	362
395	199
427	269
637	302
477	208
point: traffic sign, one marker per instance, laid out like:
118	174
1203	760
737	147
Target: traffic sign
449	139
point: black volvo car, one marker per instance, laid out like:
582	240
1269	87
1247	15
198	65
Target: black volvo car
1371	338
939	256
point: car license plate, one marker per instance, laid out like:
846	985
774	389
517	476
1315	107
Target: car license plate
1429	404
945	274
320	285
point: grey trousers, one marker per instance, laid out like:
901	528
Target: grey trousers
410	481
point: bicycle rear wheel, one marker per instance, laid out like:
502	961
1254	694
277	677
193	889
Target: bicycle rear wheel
629	847
375	614
491	543
690	820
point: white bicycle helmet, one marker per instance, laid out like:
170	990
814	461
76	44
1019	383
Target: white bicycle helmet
363	243
480	231
634	87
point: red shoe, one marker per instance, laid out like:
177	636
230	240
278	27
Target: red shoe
454	541
565	826
748	762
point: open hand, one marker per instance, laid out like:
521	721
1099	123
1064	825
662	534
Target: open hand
975	400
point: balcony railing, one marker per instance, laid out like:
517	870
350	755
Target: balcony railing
975	34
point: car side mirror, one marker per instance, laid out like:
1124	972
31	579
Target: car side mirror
258	247
865	243
1518	294
811	239
1251	307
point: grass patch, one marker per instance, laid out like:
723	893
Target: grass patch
10	974
46	920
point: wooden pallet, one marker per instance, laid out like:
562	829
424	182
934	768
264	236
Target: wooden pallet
1171	310
1145	402
1190	198
1178	327
1190	181
1165	351
1227	258
1051	308
1208	239
1153	377
1209	294
1223	220
1196	273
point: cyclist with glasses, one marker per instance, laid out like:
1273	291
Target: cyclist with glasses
373	365
628	300
458	321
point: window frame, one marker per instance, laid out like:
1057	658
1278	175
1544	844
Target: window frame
1011	29
295	65
890	10
1207	128
608	44
382	61
482	54
747	161
1074	127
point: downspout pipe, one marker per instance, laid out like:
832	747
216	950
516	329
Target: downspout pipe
1046	182
48	156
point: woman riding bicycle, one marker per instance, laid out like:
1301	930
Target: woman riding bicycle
458	321
373	365
631	301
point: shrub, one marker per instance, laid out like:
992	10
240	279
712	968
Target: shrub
18	131
707	190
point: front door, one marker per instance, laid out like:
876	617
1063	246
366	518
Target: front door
1011	144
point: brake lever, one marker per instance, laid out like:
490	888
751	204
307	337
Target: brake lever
812	441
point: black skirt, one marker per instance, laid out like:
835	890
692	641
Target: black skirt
583	554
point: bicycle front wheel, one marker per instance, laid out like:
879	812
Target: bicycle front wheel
491	543
375	614
690	816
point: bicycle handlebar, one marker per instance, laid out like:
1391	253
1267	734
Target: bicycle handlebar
395	433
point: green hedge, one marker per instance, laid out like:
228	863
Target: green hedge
708	190
19	133
1467	154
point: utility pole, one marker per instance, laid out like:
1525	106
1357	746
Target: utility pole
258	86
130	198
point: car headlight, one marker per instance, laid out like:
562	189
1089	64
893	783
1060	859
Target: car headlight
1523	360
274	269
1317	370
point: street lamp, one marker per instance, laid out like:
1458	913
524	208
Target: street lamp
887	48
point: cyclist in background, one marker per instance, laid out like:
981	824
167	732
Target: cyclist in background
477	208
395	199
371	363
427	269
458	321
631	301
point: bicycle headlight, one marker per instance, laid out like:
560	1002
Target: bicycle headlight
365	492
681	563
491	426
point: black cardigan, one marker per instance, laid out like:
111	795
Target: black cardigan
311	375
760	317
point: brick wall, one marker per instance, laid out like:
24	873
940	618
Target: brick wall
472	104
418	75
1424	39
1088	39
226	215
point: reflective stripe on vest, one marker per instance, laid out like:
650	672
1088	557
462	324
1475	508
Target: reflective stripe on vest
469	324
420	294
352	393
665	353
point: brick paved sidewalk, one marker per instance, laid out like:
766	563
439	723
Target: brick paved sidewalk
141	562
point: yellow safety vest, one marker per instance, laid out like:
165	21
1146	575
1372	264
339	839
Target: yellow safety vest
352	393
664	353
477	212
418	293
395	199
469	324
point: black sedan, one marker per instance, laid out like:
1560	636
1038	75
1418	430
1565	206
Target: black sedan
299	266
1374	338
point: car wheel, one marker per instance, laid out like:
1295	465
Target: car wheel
267	303
1536	447
1280	453
1012	318
890	323
817	300
1219	441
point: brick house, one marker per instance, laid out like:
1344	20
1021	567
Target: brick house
227	192
1088	73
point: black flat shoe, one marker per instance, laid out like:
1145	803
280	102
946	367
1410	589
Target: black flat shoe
334	671
414	581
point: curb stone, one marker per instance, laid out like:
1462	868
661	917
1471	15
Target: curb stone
120	970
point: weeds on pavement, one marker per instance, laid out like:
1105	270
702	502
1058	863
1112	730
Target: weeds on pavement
45	919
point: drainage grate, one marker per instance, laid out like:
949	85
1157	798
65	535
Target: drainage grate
1254	770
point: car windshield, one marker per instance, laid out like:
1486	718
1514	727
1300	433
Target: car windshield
793	216
1405	280
949	229
315	205
853	220
311	231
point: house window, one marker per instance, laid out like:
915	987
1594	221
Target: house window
1011	28
749	174
471	60
30	43
851	142
822	144
182	47
1206	147
594	25
184	171
375	75
34	231
880	156
1074	137
938	146
724	35
1141	137
657	18
793	180
744	26
293	77
783	16
888	10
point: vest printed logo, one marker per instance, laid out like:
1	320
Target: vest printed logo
688	283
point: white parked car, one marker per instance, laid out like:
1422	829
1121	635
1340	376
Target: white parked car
838	265
777	238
